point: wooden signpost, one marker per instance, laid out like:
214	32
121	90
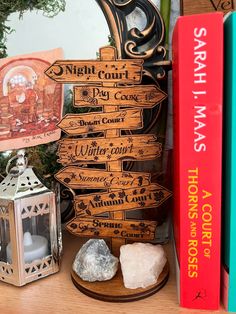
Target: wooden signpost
121	109
107	228
125	190
76	177
96	71
144	96
135	147
149	196
75	124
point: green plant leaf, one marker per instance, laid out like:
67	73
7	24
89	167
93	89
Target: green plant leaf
165	8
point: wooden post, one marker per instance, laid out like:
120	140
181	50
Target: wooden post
106	54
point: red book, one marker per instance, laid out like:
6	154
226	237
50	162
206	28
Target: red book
197	90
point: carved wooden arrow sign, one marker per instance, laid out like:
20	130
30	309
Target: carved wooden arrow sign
77	124
127	229
91	71
136	147
145	96
76	177
128	199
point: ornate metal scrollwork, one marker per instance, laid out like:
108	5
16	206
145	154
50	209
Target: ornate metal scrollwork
135	43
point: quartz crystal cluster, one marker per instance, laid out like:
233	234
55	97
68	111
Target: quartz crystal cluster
94	262
141	264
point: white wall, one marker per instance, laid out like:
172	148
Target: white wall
80	31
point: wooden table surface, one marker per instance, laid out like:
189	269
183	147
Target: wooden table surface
57	294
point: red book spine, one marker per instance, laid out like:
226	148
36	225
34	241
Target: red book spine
197	90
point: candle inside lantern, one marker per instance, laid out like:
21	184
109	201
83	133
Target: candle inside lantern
35	247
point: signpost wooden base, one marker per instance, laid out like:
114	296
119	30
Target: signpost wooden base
114	291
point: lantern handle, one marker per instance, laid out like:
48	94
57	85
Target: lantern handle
21	164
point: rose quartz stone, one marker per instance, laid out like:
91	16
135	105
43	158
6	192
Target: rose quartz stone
141	264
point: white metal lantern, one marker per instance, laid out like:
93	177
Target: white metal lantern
30	233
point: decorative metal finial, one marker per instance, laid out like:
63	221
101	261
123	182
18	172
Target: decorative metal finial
21	164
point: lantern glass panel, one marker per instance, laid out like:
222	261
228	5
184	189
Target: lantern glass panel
4	239
36	237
